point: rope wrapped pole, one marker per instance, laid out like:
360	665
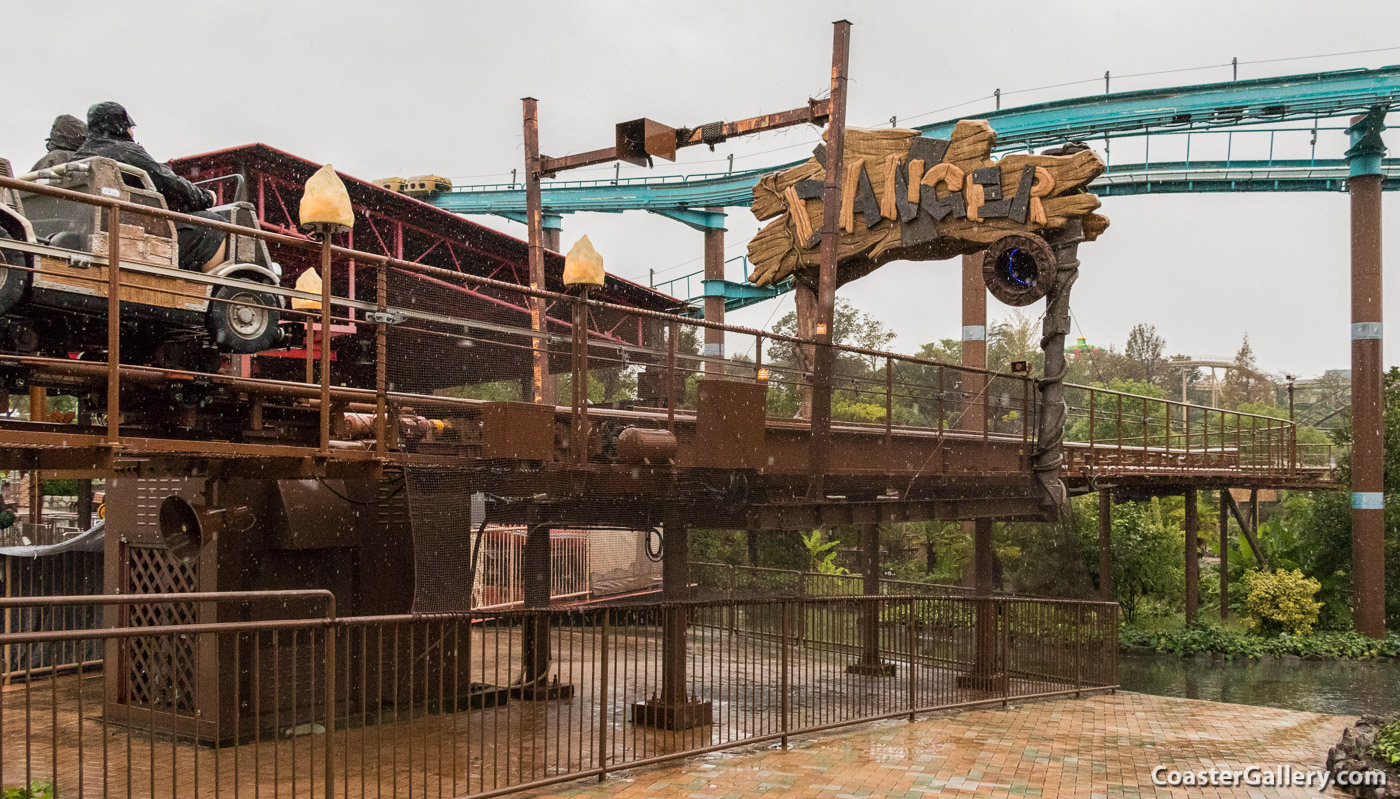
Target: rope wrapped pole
1049	451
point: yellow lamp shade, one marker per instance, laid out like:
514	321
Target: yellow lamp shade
326	203
583	266
309	282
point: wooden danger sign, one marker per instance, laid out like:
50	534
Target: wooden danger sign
908	197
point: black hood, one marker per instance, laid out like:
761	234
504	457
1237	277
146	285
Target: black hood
110	119
67	133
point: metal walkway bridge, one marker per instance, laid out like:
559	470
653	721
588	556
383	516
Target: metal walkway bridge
1241	123
667	430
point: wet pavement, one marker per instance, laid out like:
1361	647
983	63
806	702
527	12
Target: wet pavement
1097	747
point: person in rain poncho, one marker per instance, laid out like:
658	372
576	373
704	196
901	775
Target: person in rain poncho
65	137
109	136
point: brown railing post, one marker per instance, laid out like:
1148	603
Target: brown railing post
909	633
783	678
889	400
1120	430
326	344
673	333
1078	647
940	410
1005	649
381	362
1092	395
729	608
603	699
330	693
802	615
114	324
1026	418
1145	439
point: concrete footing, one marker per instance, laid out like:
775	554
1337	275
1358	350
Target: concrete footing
673	715
871	669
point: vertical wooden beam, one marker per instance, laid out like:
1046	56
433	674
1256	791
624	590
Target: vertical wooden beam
534	223
826	276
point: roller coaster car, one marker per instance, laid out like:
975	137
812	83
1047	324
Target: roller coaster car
54	290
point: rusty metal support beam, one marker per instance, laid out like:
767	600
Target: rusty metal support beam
974	341
1367	387
714	304
1247	529
1106	545
534	223
1049	453
826	276
1193	560
814	113
870	662
1224	557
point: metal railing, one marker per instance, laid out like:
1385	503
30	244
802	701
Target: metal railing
387	388
736	581
293	701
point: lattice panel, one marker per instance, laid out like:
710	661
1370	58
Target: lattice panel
160	670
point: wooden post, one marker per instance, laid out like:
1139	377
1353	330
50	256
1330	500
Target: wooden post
826	279
534	222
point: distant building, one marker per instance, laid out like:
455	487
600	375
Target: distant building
1080	349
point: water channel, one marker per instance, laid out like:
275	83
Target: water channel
1342	687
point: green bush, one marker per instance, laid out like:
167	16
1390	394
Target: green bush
36	790
1281	601
1387	743
1213	639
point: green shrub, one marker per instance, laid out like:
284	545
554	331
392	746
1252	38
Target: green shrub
1281	601
1387	743
36	790
1213	639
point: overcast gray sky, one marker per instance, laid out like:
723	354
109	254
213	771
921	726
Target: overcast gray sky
407	88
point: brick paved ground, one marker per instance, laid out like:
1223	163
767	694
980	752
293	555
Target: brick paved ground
1103	746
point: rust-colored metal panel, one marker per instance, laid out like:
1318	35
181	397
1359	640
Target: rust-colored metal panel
314	517
729	425
517	430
